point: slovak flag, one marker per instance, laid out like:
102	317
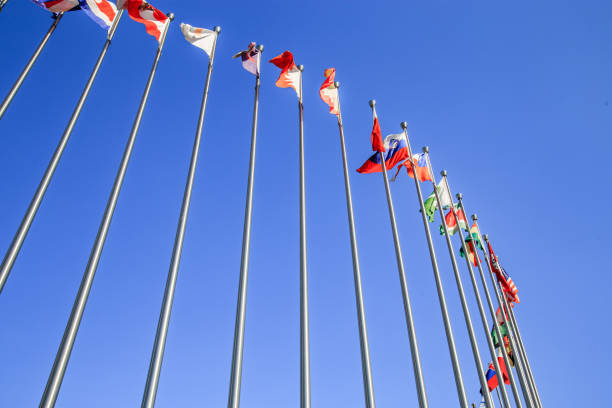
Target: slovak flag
396	151
290	76
58	6
329	92
141	11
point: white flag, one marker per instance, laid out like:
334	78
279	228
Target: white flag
445	198
200	37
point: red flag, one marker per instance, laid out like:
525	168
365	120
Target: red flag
329	92
141	11
510	289
377	141
290	76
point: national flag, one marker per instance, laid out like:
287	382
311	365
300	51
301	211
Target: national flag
58	6
504	333
200	37
431	205
451	222
502	367
491	375
251	58
472	242
420	162
290	76
508	285
376	136
103	12
396	151
329	92
142	12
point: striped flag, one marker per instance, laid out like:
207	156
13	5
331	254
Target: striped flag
58	6
142	12
508	285
103	12
251	58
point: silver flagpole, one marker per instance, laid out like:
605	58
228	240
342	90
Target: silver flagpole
414	347
63	354
3	3
26	222
30	64
150	392
515	392
236	374
500	300
441	296
304	331
483	315
466	311
368	386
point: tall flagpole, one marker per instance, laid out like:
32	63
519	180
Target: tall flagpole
304	326
466	311
150	392
236	374
63	354
450	339
483	316
9	97
366	367
26	222
501	302
414	347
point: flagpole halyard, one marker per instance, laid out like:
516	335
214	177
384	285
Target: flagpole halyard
236	372
63	354
150	392
450	339
466	312
26	70
366	366
414	347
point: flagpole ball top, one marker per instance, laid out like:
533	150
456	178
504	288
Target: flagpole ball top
260	47
474	217
300	67
425	149
486	237
170	16
443	173
404	125
372	102
337	84
459	196
217	29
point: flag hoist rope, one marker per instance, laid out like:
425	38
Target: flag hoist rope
63	354
9	97
452	349
366	366
150	392
414	347
26	222
236	373
464	305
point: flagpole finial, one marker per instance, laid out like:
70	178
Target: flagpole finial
337	84
404	125
486	237
170	16
443	173
425	149
459	196
300	67
372	103
217	29
260	48
474	217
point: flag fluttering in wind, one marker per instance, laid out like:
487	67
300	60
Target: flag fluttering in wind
199	37
396	151
377	141
506	281
472	243
420	163
141	11
290	76
103	12
58	6
431	204
329	92
451	222
492	380
250	59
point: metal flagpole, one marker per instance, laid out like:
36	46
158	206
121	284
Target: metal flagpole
3	3
26	222
515	392
441	296
30	64
368	386
500	300
304	332
466	312
236	374
414	347
150	392
63	354
483	316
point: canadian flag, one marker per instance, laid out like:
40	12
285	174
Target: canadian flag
141	11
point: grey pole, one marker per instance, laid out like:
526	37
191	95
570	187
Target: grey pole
441	296
236	374
63	354
466	311
30	64
3	3
150	392
26	222
368	386
500	300
414	347
515	392
304	331
483	316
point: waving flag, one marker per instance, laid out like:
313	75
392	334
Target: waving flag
508	285
431	204
58	6
103	12
290	76
471	243
329	92
377	142
420	162
250	59
396	151
142	12
451	222
200	37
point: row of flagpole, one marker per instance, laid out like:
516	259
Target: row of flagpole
530	392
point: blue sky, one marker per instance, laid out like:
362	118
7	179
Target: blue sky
513	100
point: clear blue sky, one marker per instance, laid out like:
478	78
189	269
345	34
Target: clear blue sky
513	100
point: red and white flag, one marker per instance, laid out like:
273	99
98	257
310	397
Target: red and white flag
377	141
290	76
141	11
329	92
